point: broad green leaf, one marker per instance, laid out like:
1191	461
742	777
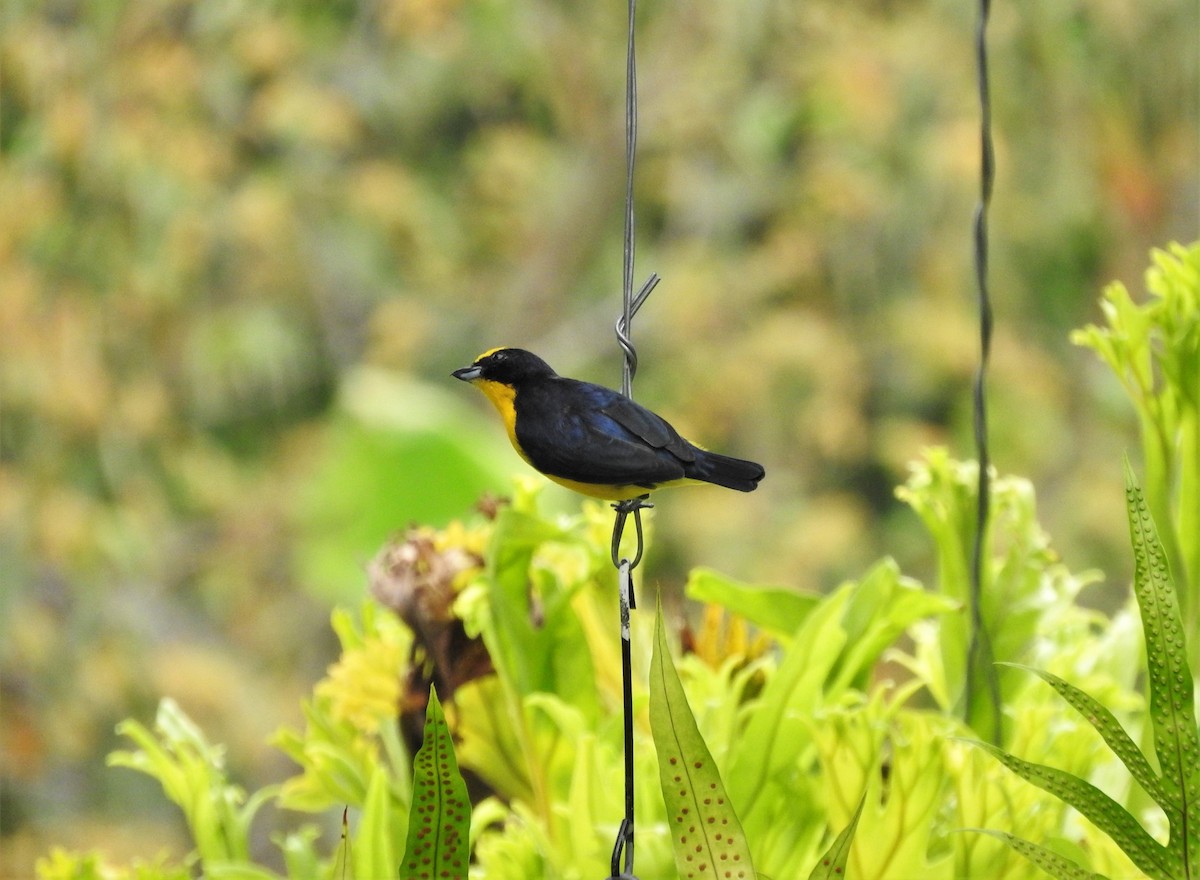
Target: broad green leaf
833	863
440	819
536	649
705	831
776	735
779	610
1049	861
881	607
1172	713
490	744
1103	812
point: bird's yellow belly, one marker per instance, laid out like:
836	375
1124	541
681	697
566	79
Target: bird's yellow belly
600	490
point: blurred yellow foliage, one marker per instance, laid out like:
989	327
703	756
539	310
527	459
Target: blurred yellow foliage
363	687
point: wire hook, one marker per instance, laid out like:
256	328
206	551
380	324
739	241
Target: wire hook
623	509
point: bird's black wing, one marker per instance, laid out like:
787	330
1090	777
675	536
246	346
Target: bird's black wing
585	432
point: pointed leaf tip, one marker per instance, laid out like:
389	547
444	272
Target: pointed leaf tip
832	865
440	818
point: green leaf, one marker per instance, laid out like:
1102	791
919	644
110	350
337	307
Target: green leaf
833	863
1111	730
706	834
779	610
1172	712
881	607
1049	861
536	649
374	850
192	775
776	734
1101	810
440	820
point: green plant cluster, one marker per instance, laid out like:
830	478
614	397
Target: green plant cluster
830	736
800	725
1153	349
242	243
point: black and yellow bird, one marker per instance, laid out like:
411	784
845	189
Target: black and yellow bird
590	438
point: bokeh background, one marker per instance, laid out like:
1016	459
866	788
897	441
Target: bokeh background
242	245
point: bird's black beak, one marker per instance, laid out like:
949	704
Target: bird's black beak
468	374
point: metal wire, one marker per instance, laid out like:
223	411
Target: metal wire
980	659
630	157
623	509
622	855
622	329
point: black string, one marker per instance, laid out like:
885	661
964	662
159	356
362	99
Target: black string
980	660
623	847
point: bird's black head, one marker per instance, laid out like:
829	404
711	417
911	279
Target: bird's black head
508	366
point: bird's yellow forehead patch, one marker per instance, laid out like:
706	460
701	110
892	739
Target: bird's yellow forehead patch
491	351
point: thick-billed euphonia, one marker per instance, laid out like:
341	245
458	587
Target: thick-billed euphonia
590	438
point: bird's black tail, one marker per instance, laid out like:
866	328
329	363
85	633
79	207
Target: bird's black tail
724	470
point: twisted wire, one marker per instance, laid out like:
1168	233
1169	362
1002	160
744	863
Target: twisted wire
623	332
630	366
980	659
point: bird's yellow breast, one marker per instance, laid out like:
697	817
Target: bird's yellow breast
503	397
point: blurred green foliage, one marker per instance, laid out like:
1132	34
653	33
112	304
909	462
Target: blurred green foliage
1154	350
801	728
242	244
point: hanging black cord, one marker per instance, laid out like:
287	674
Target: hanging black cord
980	661
623	847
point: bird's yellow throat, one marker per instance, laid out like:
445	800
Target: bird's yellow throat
502	397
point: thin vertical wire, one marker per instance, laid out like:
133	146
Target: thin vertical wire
630	365
623	848
980	658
